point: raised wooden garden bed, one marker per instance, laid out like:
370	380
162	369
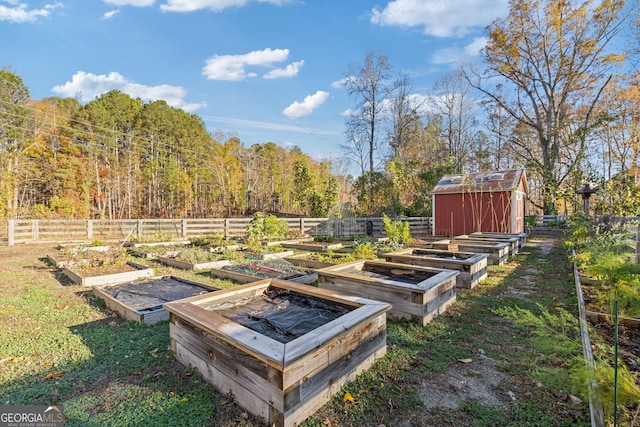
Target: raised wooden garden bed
257	270
472	267
280	365
142	301
269	243
313	246
522	237
108	275
498	252
513	242
152	251
170	243
415	292
186	265
267	256
311	260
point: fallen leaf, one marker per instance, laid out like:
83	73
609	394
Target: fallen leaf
465	360
53	375
362	391
329	422
184	399
575	399
172	393
348	398
137	373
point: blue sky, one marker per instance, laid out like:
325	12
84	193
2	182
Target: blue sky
264	70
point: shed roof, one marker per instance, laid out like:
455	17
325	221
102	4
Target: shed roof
483	182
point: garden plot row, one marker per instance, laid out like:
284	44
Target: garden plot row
284	348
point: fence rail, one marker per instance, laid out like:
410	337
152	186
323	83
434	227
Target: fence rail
64	231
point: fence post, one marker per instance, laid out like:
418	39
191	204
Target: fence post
90	229
226	228
34	230
139	229
302	226
184	228
10	232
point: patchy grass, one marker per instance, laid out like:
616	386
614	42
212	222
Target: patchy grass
62	347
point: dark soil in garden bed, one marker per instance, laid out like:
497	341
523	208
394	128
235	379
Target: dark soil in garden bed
628	343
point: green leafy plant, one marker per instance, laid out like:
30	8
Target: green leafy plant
398	232
197	255
265	227
275	228
365	251
213	239
531	221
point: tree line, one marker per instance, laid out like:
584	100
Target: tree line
118	157
557	92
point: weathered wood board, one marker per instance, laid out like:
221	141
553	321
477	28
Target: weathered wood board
522	237
283	383
137	271
185	265
141	301
498	252
428	294
472	267
514	242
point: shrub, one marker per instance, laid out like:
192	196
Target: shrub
261	227
398	232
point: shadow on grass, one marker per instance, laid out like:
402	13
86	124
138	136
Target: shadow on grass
120	373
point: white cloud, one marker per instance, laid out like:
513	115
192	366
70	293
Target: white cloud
306	107
440	18
20	14
291	70
455	54
137	3
233	67
110	14
214	5
476	45
347	113
447	55
339	83
87	86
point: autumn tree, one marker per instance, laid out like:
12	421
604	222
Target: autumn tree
311	194
552	57
457	107
16	131
371	86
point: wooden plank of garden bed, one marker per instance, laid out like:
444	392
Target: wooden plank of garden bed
595	405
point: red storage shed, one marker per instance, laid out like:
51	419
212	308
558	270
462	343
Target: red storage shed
485	202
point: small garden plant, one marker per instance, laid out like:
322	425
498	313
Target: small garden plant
602	252
264	227
398	232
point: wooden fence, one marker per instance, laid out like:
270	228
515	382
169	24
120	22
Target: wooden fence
64	231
